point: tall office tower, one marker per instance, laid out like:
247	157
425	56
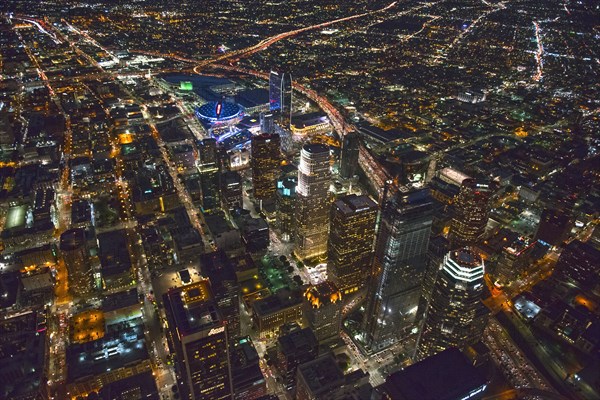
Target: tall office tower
554	227
471	212
456	316
398	266
285	201
265	162
231	189
209	174
274	91
579	264
323	310
75	252
286	100
280	96
267	122
349	158
224	286
207	153
198	337
209	186
439	246
247	378
293	349
351	237
312	211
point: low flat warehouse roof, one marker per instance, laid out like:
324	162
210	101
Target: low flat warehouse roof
15	217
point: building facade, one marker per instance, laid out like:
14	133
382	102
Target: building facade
349	157
312	211
75	252
456	315
280	96
208	167
351	239
198	337
231	190
471	212
265	161
398	266
285	201
323	310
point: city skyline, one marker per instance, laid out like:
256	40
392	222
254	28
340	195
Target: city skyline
311	199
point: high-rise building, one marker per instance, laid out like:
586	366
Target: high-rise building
471	212
220	271
398	266
209	185
209	174
349	157
265	161
275	91
323	378
293	349
449	375
323	310
554	227
198	337
439	246
351	239
267	122
285	200
75	252
24	354
231	189
579	264
247	378
207	152
280	96
312	212
286	100
456	316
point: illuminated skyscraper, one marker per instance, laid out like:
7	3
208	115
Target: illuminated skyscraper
207	153
349	158
285	200
438	248
323	310
471	212
209	184
312	212
267	122
198	337
456	317
265	161
220	271
280	96
286	100
398	266
231	189
209	174
274	91
351	237
75	252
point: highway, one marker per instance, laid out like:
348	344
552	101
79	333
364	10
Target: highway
514	364
265	43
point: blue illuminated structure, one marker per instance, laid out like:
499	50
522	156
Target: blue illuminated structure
219	111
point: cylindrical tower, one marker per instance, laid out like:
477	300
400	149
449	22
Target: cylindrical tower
456	316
